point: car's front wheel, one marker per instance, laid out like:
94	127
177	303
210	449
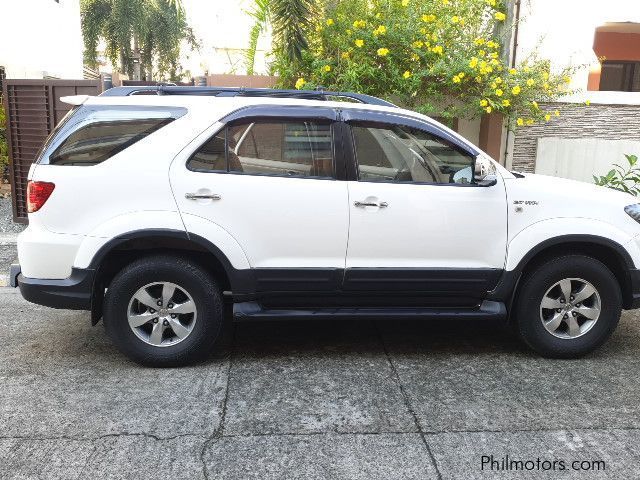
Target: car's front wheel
568	306
163	311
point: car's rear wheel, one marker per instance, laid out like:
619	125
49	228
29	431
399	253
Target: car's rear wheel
163	311
568	306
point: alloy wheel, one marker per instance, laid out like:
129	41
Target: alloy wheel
570	308
162	314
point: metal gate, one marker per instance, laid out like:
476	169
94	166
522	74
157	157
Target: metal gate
33	109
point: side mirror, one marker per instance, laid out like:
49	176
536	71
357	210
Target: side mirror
484	172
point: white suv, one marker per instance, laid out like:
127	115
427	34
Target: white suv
152	211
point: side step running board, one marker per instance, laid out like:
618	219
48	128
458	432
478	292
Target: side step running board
247	311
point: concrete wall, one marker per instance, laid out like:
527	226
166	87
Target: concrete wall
41	38
611	117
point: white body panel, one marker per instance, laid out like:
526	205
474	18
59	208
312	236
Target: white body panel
278	222
427	226
554	207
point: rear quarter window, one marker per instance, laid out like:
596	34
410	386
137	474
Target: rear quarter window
94	134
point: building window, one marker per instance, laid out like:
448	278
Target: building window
620	76
3	75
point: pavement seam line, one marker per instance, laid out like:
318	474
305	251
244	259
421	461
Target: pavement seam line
219	432
304	434
406	400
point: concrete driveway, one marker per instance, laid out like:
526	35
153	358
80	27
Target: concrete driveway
353	400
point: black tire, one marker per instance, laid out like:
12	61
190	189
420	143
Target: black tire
535	285
188	275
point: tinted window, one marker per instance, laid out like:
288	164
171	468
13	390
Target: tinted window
90	134
404	154
96	142
265	147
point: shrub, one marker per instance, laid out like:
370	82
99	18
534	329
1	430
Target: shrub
442	57
626	179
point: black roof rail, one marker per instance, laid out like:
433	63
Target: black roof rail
242	92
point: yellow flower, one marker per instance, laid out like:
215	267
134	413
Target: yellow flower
473	63
494	85
456	79
300	83
359	24
499	92
513	71
378	15
437	49
405	3
418	44
359	42
506	103
349	32
530	121
493	55
484	103
531	82
557	113
327	68
461	74
587	103
482	53
495	62
492	44
428	18
434	37
545	75
501	17
330	21
455	19
382	52
445	2
535	105
520	122
491	2
567	80
415	57
498	80
406	74
318	28
345	55
381	30
488	109
516	90
479	41
547	117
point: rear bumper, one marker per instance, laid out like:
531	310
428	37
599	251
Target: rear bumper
73	293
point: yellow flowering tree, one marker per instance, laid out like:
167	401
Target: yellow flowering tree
442	57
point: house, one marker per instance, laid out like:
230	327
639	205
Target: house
600	122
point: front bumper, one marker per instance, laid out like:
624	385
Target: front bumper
72	293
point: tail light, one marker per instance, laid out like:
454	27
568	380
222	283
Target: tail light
37	194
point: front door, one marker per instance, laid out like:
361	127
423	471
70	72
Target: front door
418	222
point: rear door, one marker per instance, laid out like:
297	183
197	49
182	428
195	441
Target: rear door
269	178
419	223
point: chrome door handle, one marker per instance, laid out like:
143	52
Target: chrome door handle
371	204
202	196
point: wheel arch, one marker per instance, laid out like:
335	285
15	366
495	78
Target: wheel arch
124	249
609	252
